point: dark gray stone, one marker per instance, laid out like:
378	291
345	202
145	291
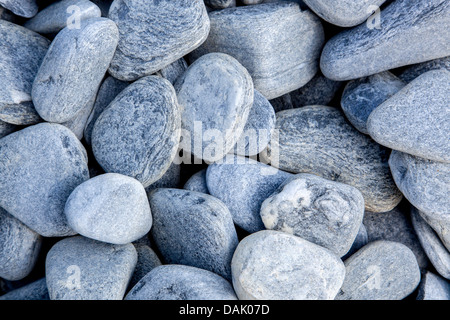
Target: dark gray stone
6	128
174	70
416	70
23	8
410	32
300	2
179	282
146	262
433	287
282	103
104	6
273	265
36	290
193	228
360	241
220	4
197	182
319	140
170	179
45	163
138	134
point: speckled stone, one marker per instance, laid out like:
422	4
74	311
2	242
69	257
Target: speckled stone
381	270
410	32
146	262
273	265
179	282
278	43
73	68
197	182
416	70
6	128
143	48
416	120
174	70
36	290
184	221
45	163
319	140
138	134
432	287
23	8
78	268
61	14
360	241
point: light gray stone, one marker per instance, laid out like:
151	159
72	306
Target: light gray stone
433	287
360	241
78	123
174	70
6	128
197	182
416	70
23	8
146	262
36	290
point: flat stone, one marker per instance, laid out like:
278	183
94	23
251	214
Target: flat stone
362	96
73	68
78	123
20	56
45	163
184	221
410	32
179	282
278	64
433	287
59	15
19	248
23	8
216	95
319	140
360	241
243	185
111	208
36	290
170	179
174	70
6	128
273	265
138	134
381	270
324	212
416	120
416	70
143	49
197	182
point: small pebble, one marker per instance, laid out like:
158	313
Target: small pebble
23	8
170	179
174	70
197	182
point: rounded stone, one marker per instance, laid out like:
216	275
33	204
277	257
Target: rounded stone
6	128
416	70
433	287
360	241
197	182
146	262
36	290
22	8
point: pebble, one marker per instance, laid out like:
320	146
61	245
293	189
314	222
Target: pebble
180	282
416	70
174	70
78	268
36	290
22	8
6	128
170	179
73	68
278	43
138	134
146	262
361	240
416	120
184	221
143	48
220	4
324	212
46	162
197	182
410	32
273	265
78	123
381	270
111	207
282	103
433	287
440	223
319	140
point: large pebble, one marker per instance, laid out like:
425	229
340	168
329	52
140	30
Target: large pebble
36	290
433	287
416	70
138	134
153	34
23	8
381	270
45	163
197	182
319	140
273	265
324	212
78	268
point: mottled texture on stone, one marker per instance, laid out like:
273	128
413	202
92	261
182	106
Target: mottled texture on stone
36	290
6	128
146	262
243	185
360	241
138	134
170	179
41	166
319	140
416	120
193	228
153	34
324	212
362	96
273	265
180	282
78	268
416	70
215	94
432	287
73	68
410	32
381	270
23	8
197	182
278	43
78	123
174	70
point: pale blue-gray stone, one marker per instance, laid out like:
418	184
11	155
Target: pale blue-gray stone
78	123
197	182
174	70
170	179
432	287
360	241
23	8
36	290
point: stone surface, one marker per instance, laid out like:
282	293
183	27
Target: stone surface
216	95
360	241
362	96
73	68
410	32
278	64
273	265
111	207
138	134
243	185
282	103
23	8
197	182
179	282
185	221
416	70
78	123
6	128
319	140
78	268
45	163
220	4
440	222
153	34
36	290
324	212
174	70
170	179
433	287
146	262
381	270
416	120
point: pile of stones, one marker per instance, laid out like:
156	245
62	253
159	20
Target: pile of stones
224	150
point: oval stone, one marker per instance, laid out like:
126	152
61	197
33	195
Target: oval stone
197	182
23	8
